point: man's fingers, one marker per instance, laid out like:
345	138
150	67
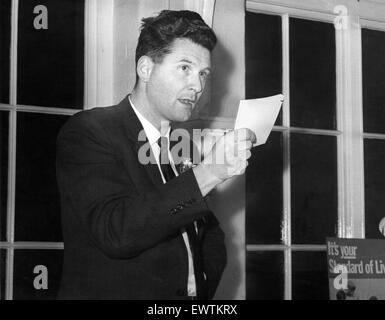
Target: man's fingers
242	165
246	134
245	145
251	136
244	154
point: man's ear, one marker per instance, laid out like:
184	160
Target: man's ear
144	68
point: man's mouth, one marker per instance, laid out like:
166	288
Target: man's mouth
187	102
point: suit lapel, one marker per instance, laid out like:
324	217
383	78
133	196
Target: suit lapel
133	127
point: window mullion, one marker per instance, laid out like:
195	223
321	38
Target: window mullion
99	53
286	232
349	122
13	61
12	149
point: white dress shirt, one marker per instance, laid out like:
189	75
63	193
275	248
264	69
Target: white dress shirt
153	135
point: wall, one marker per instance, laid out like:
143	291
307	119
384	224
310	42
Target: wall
228	85
227	88
127	20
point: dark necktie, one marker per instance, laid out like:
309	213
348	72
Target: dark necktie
168	174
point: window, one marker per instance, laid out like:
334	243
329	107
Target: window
373	74
42	84
2	273
50	62
302	147
37	203
5	43
321	173
34	260
4	128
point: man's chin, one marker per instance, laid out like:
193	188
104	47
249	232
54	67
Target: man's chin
185	116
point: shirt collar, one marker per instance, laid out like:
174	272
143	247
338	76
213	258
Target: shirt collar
152	133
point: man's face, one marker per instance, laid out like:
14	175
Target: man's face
176	84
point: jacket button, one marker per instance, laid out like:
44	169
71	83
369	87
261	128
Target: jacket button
173	211
180	207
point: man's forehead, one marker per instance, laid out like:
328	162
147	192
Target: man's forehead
184	50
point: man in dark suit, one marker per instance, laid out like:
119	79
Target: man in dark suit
139	230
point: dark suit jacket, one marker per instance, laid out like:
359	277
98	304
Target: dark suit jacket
121	224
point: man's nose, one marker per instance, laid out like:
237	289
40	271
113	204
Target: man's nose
196	84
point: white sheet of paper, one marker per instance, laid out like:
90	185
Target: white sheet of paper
259	115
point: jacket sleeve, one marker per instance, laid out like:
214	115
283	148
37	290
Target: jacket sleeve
118	219
214	253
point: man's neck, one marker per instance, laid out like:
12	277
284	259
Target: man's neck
142	104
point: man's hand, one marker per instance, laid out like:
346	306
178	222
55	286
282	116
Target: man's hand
227	158
230	153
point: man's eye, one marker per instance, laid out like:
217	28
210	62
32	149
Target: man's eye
203	74
185	67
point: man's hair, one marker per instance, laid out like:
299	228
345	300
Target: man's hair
158	33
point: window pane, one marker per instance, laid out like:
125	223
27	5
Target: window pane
313	188
264	195
263	56
25	274
3	255
374	187
37	197
373	75
50	61
5	44
310	277
4	125
265	275
312	74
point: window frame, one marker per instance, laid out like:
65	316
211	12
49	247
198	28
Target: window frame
98	85
349	111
